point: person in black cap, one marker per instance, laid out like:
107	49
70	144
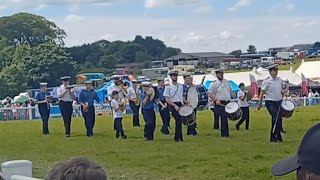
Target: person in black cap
221	93
274	88
86	99
174	97
66	97
244	106
163	108
306	162
43	101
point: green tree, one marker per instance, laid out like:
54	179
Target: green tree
252	49
316	45
13	79
147	64
128	52
141	57
48	62
169	52
108	62
153	47
236	53
24	28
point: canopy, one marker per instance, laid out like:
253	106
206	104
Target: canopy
233	85
102	92
20	99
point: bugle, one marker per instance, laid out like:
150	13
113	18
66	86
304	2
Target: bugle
123	104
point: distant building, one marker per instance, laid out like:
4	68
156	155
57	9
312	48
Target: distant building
300	47
211	59
279	49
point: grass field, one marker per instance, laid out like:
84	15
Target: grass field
247	155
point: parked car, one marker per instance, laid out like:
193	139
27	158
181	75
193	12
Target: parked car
199	71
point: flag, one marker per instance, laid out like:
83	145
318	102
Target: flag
304	85
254	85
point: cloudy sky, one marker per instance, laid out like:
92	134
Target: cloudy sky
192	25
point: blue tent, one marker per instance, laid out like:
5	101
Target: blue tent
102	92
233	85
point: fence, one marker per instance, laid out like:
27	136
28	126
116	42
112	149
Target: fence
31	112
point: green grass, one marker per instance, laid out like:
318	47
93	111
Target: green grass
247	155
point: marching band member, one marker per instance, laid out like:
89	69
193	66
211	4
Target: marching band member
221	93
134	102
44	107
115	86
86	99
66	97
191	130
117	115
244	105
174	97
163	108
273	88
147	109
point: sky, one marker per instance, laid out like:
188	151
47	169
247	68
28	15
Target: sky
191	25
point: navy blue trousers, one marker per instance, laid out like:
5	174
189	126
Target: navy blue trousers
66	110
273	108
89	119
45	114
220	111
215	119
245	117
178	122
149	117
118	126
135	111
165	116
191	130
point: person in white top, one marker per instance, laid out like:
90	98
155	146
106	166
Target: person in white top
66	97
117	114
244	106
221	93
274	88
134	102
174	97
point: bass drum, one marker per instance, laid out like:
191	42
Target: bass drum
202	96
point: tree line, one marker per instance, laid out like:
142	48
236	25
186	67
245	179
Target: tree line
32	50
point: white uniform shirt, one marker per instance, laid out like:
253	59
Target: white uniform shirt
115	105
112	88
67	96
273	88
221	90
243	103
132	93
174	92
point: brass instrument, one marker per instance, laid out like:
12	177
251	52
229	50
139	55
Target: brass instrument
49	99
137	101
123	104
85	107
124	88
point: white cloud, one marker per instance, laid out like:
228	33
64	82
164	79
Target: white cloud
72	18
239	4
205	9
281	6
201	34
170	3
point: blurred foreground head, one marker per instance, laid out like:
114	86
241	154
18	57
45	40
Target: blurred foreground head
77	169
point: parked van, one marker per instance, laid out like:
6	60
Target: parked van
184	69
267	60
155	73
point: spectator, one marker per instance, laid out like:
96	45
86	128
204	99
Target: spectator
307	160
77	169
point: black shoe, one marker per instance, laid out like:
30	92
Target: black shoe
124	136
178	140
117	135
283	131
237	127
68	135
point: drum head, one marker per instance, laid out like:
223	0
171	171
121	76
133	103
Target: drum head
185	111
288	105
192	96
232	107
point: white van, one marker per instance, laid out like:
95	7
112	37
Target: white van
184	69
267	60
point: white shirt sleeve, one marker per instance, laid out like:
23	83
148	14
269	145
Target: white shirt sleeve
166	92
212	88
59	91
239	94
114	104
132	93
265	85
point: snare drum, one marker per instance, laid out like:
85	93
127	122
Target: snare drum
187	114
233	110
287	108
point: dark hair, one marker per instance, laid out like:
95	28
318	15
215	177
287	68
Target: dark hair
77	169
241	85
115	93
303	174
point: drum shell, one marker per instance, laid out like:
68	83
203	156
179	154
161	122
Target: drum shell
287	113
234	116
203	96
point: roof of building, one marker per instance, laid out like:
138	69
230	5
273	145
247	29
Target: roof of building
201	55
308	69
301	47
